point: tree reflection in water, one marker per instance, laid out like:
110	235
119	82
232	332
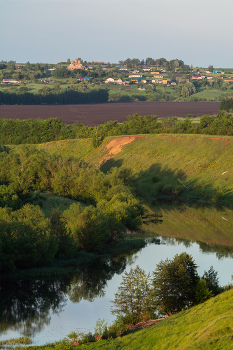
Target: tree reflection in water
26	305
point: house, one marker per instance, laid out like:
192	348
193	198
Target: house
173	83
157	81
217	72
158	76
48	80
76	65
119	81
126	83
10	81
196	77
109	80
122	68
146	68
135	76
166	81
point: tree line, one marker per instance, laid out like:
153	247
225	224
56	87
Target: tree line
106	206
32	131
66	97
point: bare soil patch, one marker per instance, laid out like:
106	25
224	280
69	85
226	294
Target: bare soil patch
95	114
115	146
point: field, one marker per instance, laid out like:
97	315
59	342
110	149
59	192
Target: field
95	114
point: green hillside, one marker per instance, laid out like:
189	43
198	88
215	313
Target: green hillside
206	326
185	167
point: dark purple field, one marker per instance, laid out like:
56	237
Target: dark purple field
94	114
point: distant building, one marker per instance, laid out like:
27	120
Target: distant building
122	68
119	81
109	80
76	65
10	81
158	76
196	77
157	81
146	68
135	76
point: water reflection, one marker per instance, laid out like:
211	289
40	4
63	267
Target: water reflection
26	305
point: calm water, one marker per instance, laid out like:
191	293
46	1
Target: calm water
49	309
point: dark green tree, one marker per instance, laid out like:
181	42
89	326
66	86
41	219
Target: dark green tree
211	279
210	68
202	292
175	283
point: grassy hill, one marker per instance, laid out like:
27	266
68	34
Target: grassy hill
206	326
185	167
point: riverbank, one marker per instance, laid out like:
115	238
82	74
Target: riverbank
205	326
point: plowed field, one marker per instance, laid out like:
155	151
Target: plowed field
94	114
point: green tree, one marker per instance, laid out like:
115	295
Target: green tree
134	296
212	280
175	283
210	68
202	292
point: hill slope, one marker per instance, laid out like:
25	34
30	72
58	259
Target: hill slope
181	166
206	326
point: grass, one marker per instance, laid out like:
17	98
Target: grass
48	202
188	167
205	326
184	167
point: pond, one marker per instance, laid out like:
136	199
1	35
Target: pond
49	309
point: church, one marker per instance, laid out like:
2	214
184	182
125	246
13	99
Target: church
76	65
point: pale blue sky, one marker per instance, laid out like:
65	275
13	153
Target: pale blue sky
197	31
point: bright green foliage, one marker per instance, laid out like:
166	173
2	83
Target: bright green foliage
134	296
91	227
175	283
100	326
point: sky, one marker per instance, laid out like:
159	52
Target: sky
199	32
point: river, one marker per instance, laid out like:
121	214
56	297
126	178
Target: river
49	309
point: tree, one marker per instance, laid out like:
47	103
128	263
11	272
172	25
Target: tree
210	68
175	283
202	292
134	296
211	280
